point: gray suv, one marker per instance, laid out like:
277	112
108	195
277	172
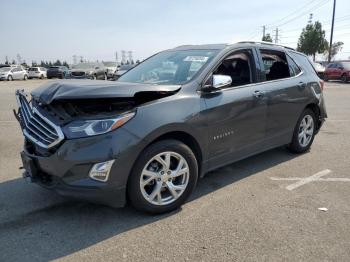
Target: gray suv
149	136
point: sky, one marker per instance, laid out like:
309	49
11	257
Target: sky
50	30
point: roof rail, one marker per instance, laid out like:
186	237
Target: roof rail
264	43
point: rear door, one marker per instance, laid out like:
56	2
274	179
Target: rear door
284	84
236	115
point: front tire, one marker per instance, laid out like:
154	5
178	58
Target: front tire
25	77
304	132
344	78
9	78
163	177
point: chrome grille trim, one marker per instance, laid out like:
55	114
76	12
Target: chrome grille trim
37	127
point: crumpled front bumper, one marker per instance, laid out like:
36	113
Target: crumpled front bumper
66	171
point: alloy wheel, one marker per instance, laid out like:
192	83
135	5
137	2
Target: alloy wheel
164	178
306	130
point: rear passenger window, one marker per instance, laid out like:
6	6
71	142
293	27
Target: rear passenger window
293	67
275	64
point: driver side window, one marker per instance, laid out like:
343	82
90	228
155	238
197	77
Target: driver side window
238	66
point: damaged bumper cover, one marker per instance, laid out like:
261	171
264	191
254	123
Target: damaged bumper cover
67	170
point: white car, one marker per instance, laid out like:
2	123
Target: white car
111	67
13	73
37	72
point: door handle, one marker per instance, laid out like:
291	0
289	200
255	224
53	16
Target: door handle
258	94
301	85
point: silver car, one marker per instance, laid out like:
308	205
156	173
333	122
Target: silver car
37	72
13	73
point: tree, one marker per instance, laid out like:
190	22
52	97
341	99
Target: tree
312	40
65	64
336	47
267	38
13	62
57	63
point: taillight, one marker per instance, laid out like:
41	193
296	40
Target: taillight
321	84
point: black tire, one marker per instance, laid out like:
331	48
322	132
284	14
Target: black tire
295	146
344	78
42	77
325	78
9	78
137	200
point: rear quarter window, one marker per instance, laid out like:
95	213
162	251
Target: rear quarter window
303	62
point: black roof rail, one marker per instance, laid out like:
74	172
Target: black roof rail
264	43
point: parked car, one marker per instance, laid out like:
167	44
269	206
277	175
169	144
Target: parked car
37	72
149	136
122	70
90	70
338	71
320	69
57	72
13	73
110	67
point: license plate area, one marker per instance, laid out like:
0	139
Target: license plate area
29	166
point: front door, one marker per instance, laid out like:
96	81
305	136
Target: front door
236	115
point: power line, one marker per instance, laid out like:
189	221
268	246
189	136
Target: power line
296	11
314	8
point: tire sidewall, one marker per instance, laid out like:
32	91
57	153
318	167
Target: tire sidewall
344	78
9	78
133	189
295	145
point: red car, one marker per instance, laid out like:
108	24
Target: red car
338	71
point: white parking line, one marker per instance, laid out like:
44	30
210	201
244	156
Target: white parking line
305	180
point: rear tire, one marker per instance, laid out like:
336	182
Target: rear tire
304	132
25	77
171	172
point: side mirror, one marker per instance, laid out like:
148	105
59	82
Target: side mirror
216	82
220	81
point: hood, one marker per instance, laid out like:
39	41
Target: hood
88	89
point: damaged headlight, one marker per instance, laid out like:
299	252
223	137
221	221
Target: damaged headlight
84	128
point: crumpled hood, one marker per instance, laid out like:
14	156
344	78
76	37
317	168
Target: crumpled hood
88	89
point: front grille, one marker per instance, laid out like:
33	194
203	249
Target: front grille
35	126
78	73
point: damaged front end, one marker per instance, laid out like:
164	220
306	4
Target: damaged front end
62	111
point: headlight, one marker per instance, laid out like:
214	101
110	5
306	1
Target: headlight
84	128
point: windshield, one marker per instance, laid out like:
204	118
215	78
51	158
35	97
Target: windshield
5	69
83	66
169	67
346	65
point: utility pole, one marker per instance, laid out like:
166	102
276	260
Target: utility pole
264	29
116	57
276	35
331	40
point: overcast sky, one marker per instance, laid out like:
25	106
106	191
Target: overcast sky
47	30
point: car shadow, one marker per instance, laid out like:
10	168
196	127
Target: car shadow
36	224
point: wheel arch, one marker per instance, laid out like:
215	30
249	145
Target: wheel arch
316	109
